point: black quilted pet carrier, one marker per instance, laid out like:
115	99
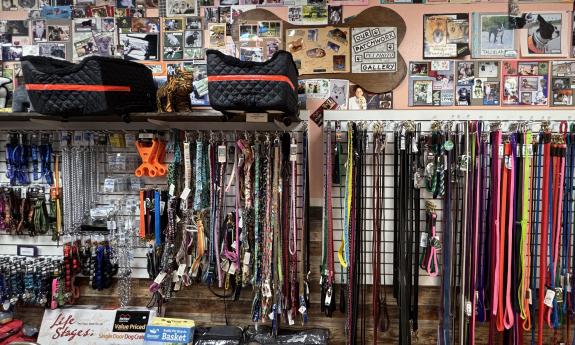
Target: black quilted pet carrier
97	85
252	86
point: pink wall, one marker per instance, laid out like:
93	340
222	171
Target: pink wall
411	49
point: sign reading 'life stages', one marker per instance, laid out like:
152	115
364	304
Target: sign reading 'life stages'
374	49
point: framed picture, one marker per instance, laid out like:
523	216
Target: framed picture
492	36
545	35
525	83
445	35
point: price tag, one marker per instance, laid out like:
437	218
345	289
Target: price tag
271	315
528	296
568	282
293	152
160	278
423	240
402	143
290	319
267	291
247	257
302	310
222	154
232	268
172	189
414	145
162	207
182	269
530	150
175	277
549	297
185	193
468	308
225	265
508	162
328	298
435	243
501	151
256	117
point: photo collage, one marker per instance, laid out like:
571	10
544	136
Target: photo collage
477	83
320	50
431	83
258	41
525	82
562	83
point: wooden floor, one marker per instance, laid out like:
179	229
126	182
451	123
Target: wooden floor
199	304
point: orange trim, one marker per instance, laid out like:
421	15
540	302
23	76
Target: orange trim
77	87
232	77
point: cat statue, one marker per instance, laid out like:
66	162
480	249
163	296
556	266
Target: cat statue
4	91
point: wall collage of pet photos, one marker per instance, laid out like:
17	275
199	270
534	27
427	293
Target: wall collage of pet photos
508	66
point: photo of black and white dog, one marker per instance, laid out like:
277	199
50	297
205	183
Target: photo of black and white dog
496	32
543	33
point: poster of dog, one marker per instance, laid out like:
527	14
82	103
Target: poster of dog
544	35
492	36
54	50
338	91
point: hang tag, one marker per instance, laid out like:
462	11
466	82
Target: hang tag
402	143
293	152
414	147
501	150
290	319
508	162
468	308
185	193
182	269
530	150
222	154
464	163
559	294
267	291
328	297
302	310
435	243
423	240
225	265
271	316
172	189
549	297
162	207
160	278
175	277
568	282
232	268
247	257
178	285
528	296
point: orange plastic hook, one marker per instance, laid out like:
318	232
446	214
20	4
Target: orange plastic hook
147	153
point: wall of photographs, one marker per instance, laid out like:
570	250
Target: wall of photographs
458	53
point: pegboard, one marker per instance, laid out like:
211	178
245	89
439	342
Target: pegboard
425	118
47	247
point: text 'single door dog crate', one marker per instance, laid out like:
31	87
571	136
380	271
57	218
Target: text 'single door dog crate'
96	85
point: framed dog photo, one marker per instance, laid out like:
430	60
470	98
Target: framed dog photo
445	35
139	46
181	8
545	35
173	46
562	83
492	36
